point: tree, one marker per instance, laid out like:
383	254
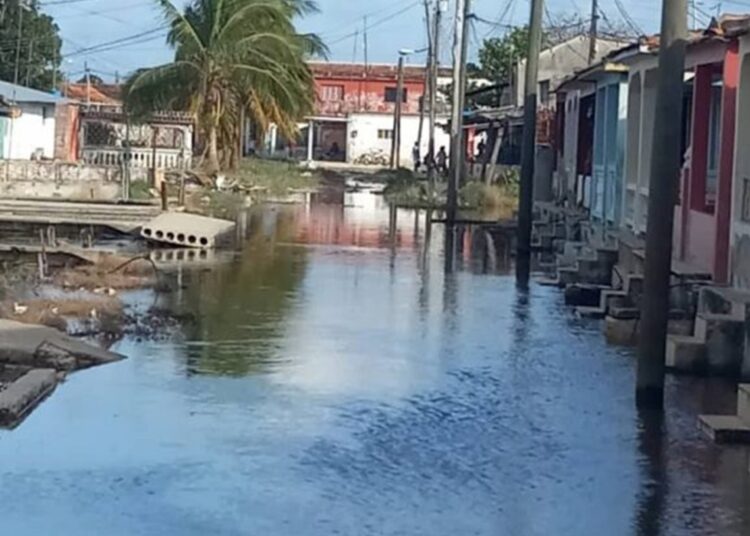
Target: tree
39	58
232	57
498	55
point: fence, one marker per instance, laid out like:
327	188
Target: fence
108	140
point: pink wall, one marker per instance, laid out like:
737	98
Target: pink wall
726	164
702	238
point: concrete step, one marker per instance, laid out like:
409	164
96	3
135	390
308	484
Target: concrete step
584	294
568	275
743	402
613	298
725	428
705	323
686	354
724	338
634	285
625	313
591	312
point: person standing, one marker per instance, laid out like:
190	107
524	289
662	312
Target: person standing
441	161
416	157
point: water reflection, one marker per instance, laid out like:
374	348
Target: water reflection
240	307
655	487
337	388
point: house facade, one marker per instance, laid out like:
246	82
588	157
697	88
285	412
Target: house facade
592	118
353	120
27	122
105	137
606	123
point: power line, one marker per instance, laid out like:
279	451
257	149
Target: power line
101	47
378	22
628	19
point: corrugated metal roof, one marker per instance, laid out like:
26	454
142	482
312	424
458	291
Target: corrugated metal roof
15	93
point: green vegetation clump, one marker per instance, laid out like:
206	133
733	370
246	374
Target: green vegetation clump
274	178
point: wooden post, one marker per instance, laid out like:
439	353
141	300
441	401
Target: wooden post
164	198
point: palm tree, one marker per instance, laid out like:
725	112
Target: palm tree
232	58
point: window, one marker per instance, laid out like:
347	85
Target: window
391	92
332	93
384	134
45	114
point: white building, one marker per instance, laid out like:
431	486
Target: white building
27	122
370	136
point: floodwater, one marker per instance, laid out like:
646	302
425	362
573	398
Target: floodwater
340	377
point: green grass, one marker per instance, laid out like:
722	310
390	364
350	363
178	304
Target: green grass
273	178
140	191
404	190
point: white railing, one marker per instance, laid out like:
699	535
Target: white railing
139	157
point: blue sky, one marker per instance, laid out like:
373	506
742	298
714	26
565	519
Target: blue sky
89	22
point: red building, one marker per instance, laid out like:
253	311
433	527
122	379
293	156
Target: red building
344	88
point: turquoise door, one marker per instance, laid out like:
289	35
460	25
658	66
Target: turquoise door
4	127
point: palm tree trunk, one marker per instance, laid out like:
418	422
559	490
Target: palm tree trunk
213	149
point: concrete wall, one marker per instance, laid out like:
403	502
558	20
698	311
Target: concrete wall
23	178
363	141
740	228
639	147
32	130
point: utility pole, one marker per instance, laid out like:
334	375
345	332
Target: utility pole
665	171
29	62
434	68
366	50
88	84
427	87
460	50
54	68
528	149
594	30
21	8
396	135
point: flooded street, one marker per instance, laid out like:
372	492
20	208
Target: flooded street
340	377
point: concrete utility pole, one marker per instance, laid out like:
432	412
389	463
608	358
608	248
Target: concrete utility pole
88	84
434	68
665	171
396	135
21	8
594	30
528	149
460	50
427	73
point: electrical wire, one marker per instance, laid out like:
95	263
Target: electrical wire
378	22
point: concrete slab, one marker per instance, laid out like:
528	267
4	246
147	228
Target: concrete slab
725	428
186	230
19	398
591	312
743	402
686	354
43	347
